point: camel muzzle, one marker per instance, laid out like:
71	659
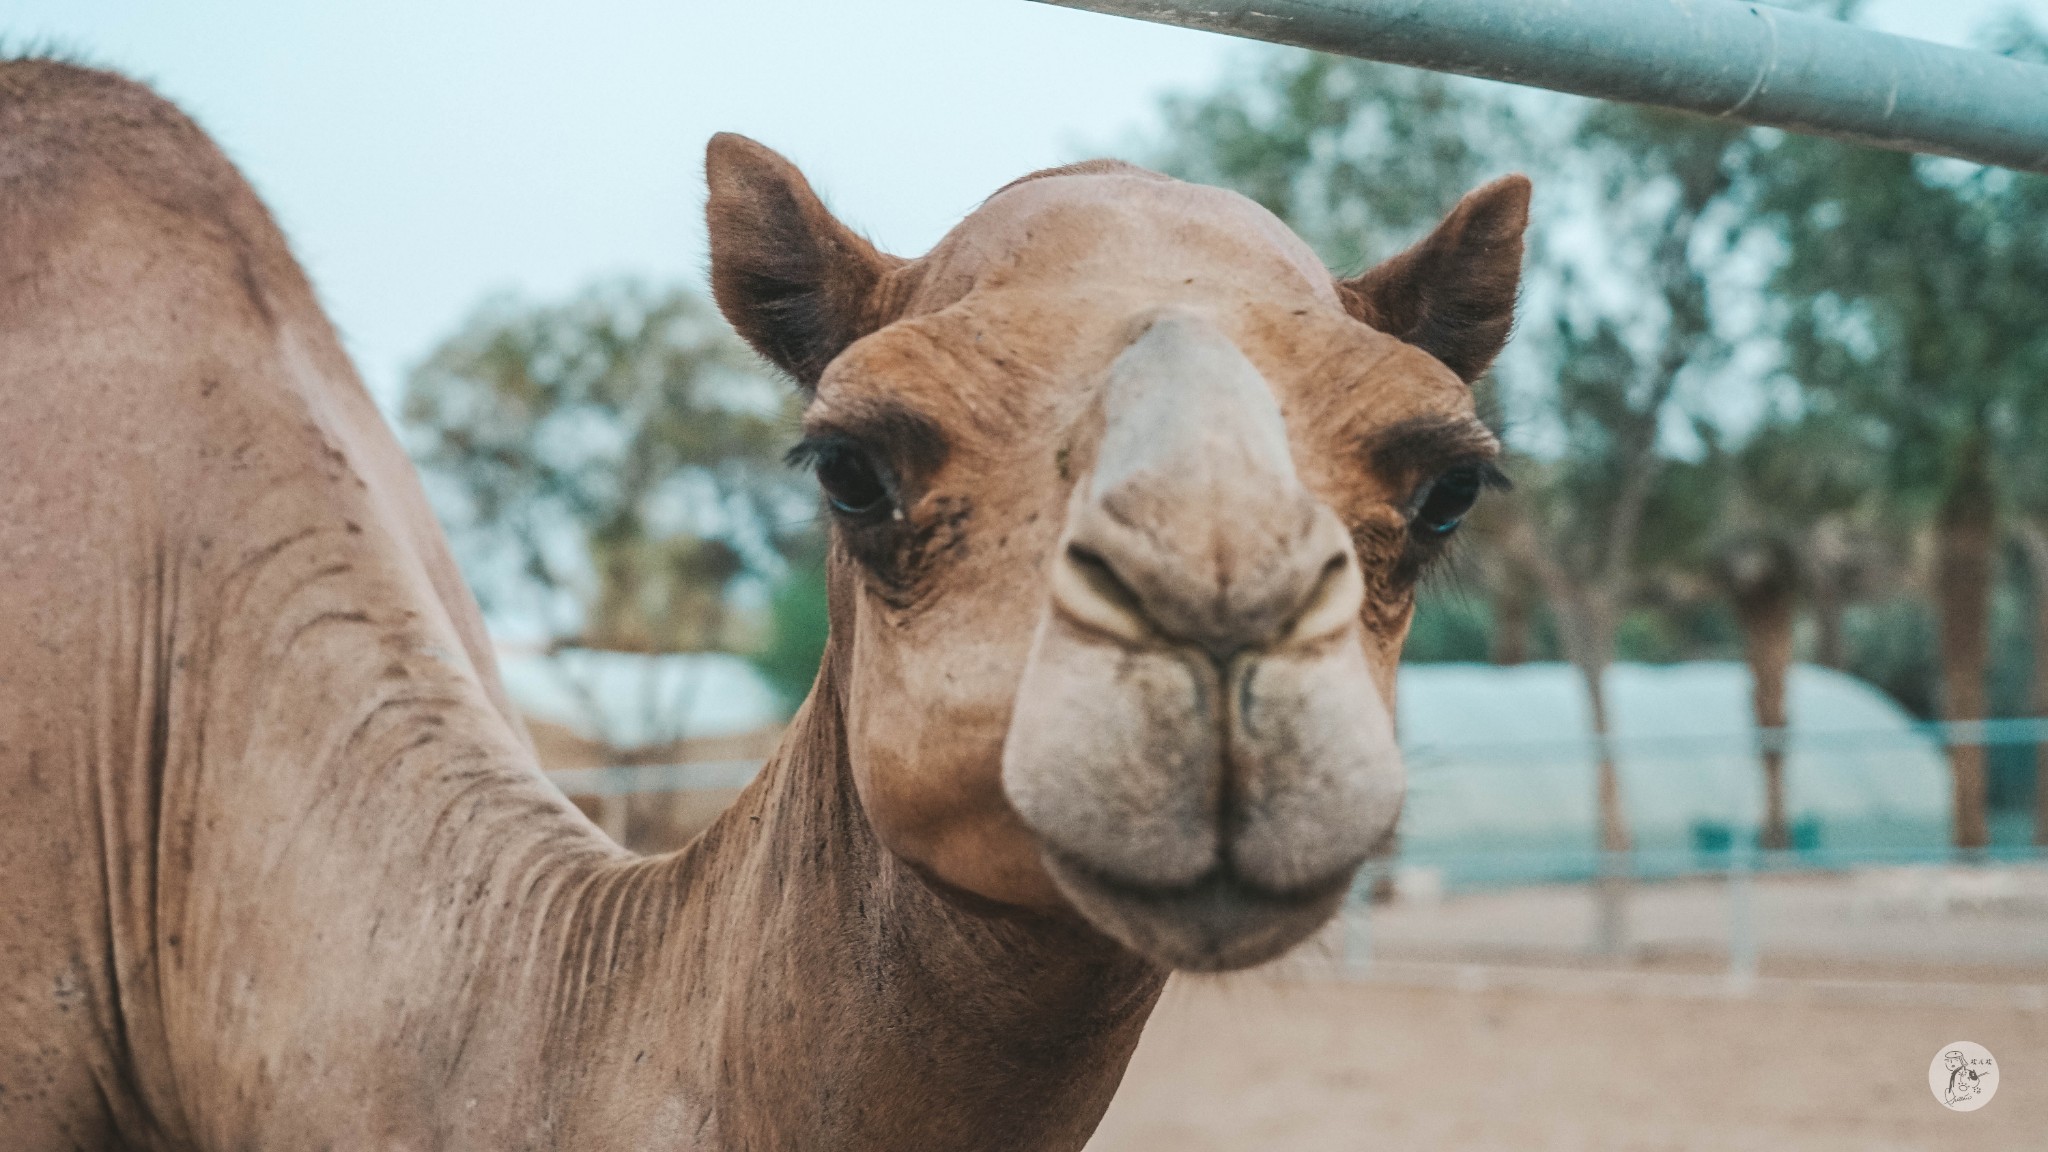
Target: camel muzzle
1198	743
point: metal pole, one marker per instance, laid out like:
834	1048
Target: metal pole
1358	921
1746	62
1742	943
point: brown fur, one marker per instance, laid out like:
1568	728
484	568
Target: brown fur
802	284
74	133
1098	167
1453	294
280	871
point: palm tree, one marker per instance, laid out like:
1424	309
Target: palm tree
1908	303
1792	482
2031	530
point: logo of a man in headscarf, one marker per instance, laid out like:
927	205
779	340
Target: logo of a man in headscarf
1963	1082
1962	1076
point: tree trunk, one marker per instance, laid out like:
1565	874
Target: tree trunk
1614	835
1761	575
1588	622
1588	615
2033	534
1966	542
1766	618
1591	645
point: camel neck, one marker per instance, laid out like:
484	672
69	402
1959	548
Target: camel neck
832	998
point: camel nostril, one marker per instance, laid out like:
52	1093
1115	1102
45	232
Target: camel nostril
1101	576
1087	587
1090	590
1332	604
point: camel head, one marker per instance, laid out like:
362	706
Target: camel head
1129	500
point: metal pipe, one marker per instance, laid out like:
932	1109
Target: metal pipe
1745	62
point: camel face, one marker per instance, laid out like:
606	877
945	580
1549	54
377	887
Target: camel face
1129	502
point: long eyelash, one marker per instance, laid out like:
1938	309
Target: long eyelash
1423	556
1443	573
808	451
1491	479
811	451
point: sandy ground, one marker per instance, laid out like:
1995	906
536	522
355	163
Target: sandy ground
1321	1065
1480	1023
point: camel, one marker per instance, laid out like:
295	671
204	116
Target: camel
1128	499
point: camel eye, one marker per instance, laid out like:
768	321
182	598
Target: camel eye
1447	499
852	485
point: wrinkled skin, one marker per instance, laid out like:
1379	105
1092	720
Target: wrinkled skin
1107	691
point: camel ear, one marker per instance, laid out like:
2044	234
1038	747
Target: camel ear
1453	294
791	279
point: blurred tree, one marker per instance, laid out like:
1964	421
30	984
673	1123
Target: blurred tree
1359	158
1448	627
2026	207
1666	191
799	623
2028	484
1790	482
1480	605
610	471
2032	529
1911	299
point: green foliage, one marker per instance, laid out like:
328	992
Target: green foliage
1358	157
1910	298
1695	629
609	467
1449	627
1913	297
1793	471
799	624
1891	644
1667	188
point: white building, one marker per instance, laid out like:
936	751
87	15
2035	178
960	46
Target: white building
1502	768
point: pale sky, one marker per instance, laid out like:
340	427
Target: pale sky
422	154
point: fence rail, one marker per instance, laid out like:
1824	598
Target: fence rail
1751	63
1917	907
629	779
1908	915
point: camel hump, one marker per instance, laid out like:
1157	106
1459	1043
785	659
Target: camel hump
81	147
168	375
